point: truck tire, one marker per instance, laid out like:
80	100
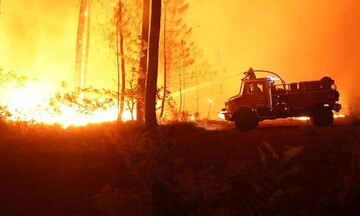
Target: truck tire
246	119
322	116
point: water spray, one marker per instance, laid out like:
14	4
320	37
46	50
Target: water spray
192	88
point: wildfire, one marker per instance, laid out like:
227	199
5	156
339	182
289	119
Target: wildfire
305	118
31	103
301	118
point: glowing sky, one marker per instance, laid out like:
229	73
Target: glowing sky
300	39
36	37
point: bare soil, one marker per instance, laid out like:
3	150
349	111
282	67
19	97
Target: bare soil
284	167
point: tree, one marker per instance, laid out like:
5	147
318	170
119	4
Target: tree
152	74
124	40
120	60
162	107
143	59
82	44
177	52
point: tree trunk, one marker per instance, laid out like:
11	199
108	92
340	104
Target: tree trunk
180	93
118	76
87	45
143	61
120	61
151	81
82	44
165	67
123	73
197	92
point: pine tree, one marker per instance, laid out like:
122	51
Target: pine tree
176	53
152	75
127	46
143	59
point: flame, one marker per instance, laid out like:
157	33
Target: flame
30	103
301	118
305	118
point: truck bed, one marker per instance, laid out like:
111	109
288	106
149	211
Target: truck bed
304	94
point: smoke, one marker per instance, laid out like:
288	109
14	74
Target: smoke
347	48
299	39
38	39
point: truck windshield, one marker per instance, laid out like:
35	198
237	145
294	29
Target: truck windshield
241	88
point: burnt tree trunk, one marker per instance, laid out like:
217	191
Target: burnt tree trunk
143	60
120	60
165	68
152	74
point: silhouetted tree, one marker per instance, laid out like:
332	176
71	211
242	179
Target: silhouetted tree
152	74
177	50
127	46
143	59
162	107
120	60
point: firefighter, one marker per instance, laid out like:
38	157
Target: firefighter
257	90
250	73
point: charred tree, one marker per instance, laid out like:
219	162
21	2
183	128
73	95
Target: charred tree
143	60
124	40
152	74
177	51
122	55
120	60
165	66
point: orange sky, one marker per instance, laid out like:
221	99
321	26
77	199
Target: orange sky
35	38
300	39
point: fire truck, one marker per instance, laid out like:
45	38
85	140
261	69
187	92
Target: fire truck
270	97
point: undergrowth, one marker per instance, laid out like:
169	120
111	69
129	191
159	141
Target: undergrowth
265	191
167	185
219	173
162	184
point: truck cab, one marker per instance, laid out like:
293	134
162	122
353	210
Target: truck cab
254	93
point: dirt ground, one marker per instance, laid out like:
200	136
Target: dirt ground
285	167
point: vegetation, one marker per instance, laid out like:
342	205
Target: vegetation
179	169
181	60
112	169
86	100
183	64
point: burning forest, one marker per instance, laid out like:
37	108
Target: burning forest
110	66
98	45
112	107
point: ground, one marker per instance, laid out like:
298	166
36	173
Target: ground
284	167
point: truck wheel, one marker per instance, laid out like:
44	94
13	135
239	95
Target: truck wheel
322	116
246	120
